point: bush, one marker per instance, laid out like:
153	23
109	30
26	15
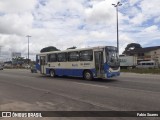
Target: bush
152	71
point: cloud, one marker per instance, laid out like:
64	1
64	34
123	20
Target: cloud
150	8
17	6
101	12
147	11
151	29
133	2
15	23
138	19
157	20
80	23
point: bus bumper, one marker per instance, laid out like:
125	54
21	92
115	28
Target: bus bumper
112	74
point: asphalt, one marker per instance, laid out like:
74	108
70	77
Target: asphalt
21	90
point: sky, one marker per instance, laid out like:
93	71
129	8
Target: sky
80	23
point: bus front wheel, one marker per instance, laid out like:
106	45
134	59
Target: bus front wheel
52	73
88	75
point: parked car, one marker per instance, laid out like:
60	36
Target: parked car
33	69
27	66
147	64
1	67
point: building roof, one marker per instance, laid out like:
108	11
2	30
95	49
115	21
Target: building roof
143	50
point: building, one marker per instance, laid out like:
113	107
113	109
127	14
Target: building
146	54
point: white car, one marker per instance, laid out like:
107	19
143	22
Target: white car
147	64
27	66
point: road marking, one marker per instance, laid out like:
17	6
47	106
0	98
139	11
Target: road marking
81	99
129	89
67	96
101	86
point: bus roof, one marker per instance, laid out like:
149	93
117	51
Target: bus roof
70	50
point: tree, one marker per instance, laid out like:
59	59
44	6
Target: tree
74	47
131	46
48	49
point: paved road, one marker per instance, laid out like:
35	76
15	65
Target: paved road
22	90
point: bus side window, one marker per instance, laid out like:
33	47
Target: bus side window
86	55
62	57
52	57
73	56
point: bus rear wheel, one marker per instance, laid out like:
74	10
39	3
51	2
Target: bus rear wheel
52	73
88	75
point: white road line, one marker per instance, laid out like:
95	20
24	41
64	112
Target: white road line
101	86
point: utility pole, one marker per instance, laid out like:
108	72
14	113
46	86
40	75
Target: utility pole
28	47
117	5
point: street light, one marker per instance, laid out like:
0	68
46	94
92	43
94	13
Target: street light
116	5
28	47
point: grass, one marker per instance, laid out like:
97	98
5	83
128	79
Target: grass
146	71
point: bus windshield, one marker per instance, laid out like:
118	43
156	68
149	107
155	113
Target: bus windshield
112	57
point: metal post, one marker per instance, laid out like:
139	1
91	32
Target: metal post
116	5
117	32
28	47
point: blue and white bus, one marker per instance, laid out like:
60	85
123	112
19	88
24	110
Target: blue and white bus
93	62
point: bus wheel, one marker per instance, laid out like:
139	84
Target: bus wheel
52	73
88	75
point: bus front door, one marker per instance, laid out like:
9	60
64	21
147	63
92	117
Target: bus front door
99	63
42	64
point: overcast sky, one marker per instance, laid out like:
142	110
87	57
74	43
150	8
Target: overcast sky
81	23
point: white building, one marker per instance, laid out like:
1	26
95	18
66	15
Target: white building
146	54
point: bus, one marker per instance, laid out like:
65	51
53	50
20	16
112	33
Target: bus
89	63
